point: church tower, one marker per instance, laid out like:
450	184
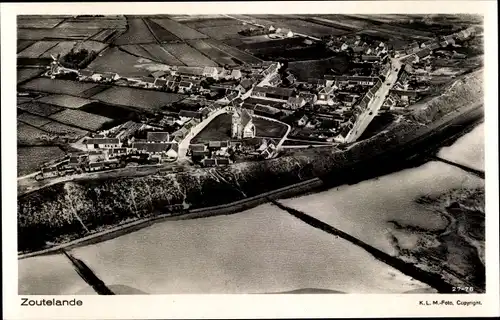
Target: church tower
236	130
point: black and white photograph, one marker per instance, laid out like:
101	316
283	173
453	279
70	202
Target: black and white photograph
246	153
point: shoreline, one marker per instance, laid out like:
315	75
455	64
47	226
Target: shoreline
287	191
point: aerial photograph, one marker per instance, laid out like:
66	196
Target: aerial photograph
250	154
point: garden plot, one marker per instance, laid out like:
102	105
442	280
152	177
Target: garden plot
32	119
57	86
189	55
147	100
66	101
80	119
137	32
37	49
64	130
182	31
38	108
29	135
30	159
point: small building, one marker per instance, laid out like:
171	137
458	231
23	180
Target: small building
85	74
308	97
273	93
223	161
157	136
109	76
102	143
371	58
235	74
97	155
295	102
210	72
325	94
197	147
160	83
159	74
242	124
148	82
302	121
291	78
190	114
152	148
116	152
191	72
49	172
209	162
185	86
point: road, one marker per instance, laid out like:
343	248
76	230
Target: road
375	104
184	144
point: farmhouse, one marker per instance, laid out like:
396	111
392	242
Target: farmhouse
272	93
102	143
152	148
295	102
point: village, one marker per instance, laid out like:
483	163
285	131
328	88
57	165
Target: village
320	110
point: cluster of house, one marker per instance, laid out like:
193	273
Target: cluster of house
418	52
272	32
366	52
213	153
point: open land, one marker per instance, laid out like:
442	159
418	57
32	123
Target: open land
30	158
57	86
80	119
25	74
65	101
38	108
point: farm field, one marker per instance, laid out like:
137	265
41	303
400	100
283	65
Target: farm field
91	46
188	55
180	30
219	129
305	70
159	32
93	91
147	100
238	54
57	86
105	35
23	44
215	54
138	51
277	43
346	21
24	74
55	33
61	48
115	60
45	23
32	119
80	119
160	54
65	101
137	32
306	27
37	49
64	130
30	159
269	129
94	23
213	22
337	25
108	111
184	18
28	135
38	108
223	32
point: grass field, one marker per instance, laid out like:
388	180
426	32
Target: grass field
214	22
106	110
57	86
64	130
147	100
137	32
219	129
28	135
23	44
80	119
306	27
238	54
24	74
31	119
159	32
104	35
180	30
61	48
55	33
115	60
215	54
37	49
188	55
318	68
268	129
94	23
66	101
29	159
93	91
46	23
38	108
160	54
137	50
223	32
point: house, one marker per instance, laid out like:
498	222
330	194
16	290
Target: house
295	102
242	124
302	121
319	83
353	80
156	136
209	162
152	148
97	155
190	72
148	82
235	74
210	72
273	93
389	103
85	74
185	86
245	85
283	32
371	58
291	78
197	147
325	95
159	74
102	143
116	152
190	114
160	83
275	80
109	76
308	97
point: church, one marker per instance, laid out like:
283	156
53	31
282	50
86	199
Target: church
242	125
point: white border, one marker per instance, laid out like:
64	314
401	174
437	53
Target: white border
246	306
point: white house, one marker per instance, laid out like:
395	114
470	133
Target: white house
102	143
210	72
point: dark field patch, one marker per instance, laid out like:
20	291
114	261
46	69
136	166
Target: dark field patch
267	128
29	159
218	129
318	68
109	111
93	91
